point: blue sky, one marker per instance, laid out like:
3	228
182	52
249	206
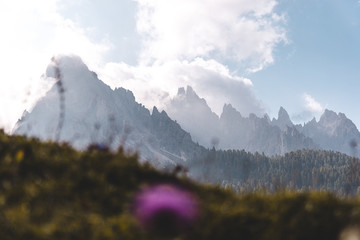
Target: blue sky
255	54
321	59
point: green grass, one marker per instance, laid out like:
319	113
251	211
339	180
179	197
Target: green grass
51	191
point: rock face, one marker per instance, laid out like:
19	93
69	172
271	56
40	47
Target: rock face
333	132
256	134
195	116
233	131
82	110
283	121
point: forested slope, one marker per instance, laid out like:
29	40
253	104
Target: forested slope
299	170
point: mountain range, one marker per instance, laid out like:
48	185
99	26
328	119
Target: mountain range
260	134
82	110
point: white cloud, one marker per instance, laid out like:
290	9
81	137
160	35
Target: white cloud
32	32
184	43
246	31
312	105
154	85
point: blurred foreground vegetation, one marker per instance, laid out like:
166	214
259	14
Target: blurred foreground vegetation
51	191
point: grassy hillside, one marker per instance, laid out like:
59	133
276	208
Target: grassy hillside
48	191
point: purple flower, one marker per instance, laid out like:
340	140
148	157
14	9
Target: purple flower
166	209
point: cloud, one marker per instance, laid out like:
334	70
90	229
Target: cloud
185	43
312	105
154	85
246	31
32	32
311	109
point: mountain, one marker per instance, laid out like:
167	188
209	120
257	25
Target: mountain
256	134
260	134
333	132
195	116
283	121
233	131
82	110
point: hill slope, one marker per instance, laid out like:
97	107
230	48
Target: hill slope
48	191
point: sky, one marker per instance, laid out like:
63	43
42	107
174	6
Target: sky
257	55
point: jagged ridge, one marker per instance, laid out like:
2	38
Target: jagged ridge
96	114
255	134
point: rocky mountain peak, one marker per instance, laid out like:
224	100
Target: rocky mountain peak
283	119
333	131
188	96
93	113
342	116
335	124
328	117
155	111
331	116
313	120
72	70
267	118
194	115
181	91
229	112
283	115
190	91
124	92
